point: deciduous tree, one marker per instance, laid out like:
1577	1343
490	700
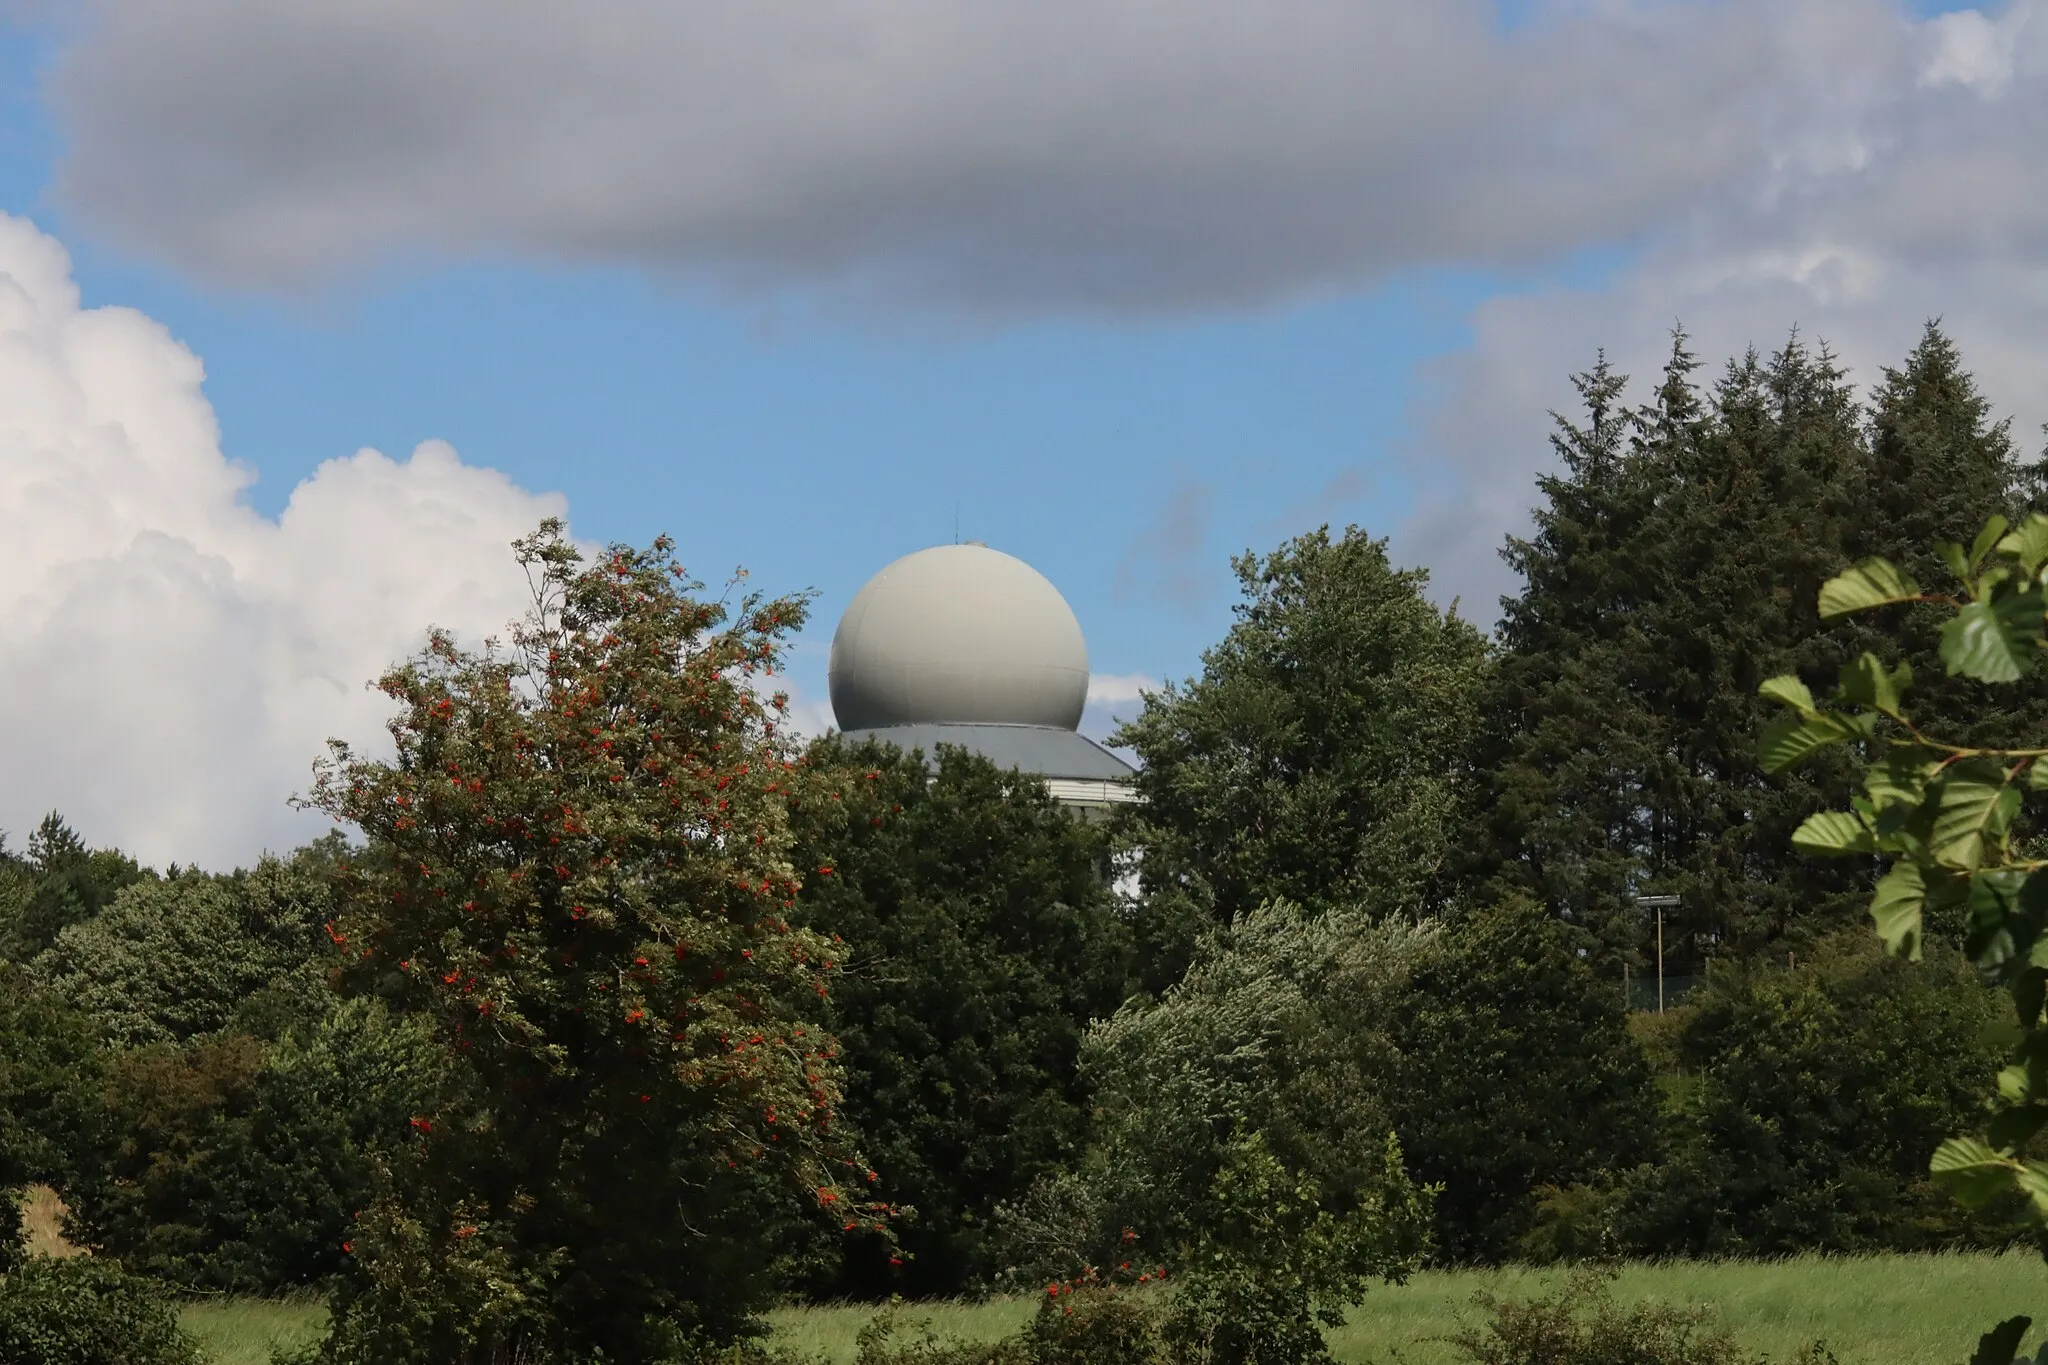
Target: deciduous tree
579	873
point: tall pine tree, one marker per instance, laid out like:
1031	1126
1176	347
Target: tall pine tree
1675	564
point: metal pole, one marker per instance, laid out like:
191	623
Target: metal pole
1658	903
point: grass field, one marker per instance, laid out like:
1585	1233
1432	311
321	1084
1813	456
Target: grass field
1874	1310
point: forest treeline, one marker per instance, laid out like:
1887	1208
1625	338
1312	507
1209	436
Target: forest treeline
1348	981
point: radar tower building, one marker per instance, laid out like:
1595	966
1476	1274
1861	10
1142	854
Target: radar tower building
965	645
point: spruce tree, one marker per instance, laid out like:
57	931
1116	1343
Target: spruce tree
1674	566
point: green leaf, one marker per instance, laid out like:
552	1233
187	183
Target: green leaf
1897	785
1866	683
1971	813
1873	583
1787	688
1787	740
1972	1171
1834	832
1993	641
2028	543
2001	1344
1953	556
1987	538
1896	906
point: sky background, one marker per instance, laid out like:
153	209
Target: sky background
306	311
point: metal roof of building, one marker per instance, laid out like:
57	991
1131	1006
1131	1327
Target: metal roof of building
1040	749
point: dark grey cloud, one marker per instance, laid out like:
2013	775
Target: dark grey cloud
1008	156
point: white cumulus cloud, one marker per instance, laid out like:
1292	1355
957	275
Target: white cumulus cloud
1114	698
171	661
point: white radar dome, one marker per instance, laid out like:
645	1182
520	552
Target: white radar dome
958	634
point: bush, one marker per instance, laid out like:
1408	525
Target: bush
1091	1325
889	1338
1244	1138
229	1165
1095	1326
81	1311
1520	1074
1581	1325
1814	1096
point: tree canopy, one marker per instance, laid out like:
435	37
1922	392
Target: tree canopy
1319	756
579	875
1674	564
982	937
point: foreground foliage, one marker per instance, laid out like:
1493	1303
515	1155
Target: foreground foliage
1950	819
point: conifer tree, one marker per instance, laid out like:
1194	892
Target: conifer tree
1674	565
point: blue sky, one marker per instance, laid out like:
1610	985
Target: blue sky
656	407
1123	415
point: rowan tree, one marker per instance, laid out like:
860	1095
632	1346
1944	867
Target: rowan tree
578	871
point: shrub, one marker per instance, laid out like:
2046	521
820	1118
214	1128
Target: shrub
229	1165
1094	1324
1582	1325
81	1311
1244	1137
889	1338
1815	1096
1519	1073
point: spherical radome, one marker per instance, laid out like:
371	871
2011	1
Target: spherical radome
958	634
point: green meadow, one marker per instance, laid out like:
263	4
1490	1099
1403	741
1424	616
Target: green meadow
1870	1310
